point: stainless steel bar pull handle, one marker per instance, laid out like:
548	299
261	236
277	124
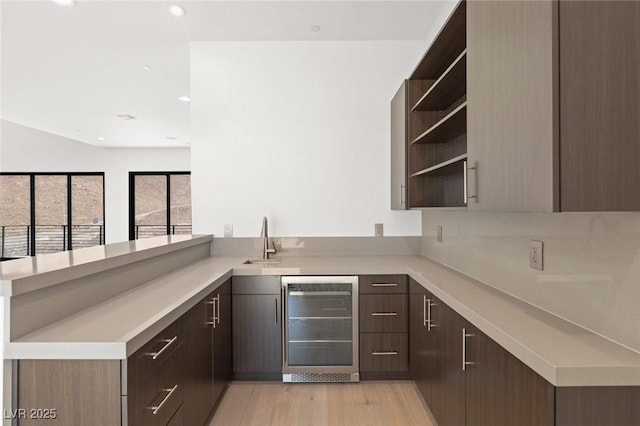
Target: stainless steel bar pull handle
217	312
382	353
319	293
429	304
424	311
285	325
466	181
464	349
156	408
155	355
212	302
384	314
276	316
384	285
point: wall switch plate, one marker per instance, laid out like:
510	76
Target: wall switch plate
379	230
536	255
228	231
439	234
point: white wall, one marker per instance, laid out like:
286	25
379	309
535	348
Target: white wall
23	149
298	132
591	262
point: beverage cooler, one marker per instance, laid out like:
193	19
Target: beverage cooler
320	329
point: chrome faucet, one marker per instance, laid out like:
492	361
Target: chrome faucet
264	234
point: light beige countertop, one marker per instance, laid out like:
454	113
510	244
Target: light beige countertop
562	353
32	273
117	327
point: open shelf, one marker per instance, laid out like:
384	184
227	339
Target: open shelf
452	125
448	44
445	91
437	120
441	168
443	187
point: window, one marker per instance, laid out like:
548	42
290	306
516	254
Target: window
50	212
159	204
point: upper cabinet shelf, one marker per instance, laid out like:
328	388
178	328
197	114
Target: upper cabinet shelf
450	87
451	126
448	45
437	119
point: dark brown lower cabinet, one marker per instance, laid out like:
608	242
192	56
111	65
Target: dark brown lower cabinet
420	346
594	406
466	378
501	390
198	363
175	379
447	377
384	326
208	361
435	347
257	328
222	341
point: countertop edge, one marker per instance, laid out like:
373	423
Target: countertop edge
37	281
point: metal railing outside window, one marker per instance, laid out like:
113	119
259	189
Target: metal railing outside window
159	204
15	241
50	212
146	231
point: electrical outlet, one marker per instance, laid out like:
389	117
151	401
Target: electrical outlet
228	230
379	230
536	255
439	234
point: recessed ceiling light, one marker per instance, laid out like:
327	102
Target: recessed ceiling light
66	2
146	67
184	98
100	138
176	10
315	28
171	138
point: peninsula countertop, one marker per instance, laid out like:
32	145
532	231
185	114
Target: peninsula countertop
561	352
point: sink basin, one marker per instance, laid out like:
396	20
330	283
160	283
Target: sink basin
262	261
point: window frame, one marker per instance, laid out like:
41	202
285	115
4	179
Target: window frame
132	198
69	224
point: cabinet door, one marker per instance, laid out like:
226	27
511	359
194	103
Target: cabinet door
448	378
600	105
257	333
199	398
222	341
512	105
485	380
418	349
529	398
399	149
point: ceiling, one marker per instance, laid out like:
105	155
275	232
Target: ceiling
72	71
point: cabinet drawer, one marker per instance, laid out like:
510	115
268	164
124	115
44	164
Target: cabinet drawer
383	352
148	359
384	313
155	400
382	283
263	284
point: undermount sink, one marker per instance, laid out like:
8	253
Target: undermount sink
262	261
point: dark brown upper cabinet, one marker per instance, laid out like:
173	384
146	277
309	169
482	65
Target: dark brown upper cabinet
553	106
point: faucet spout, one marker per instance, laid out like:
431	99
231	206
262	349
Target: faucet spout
264	234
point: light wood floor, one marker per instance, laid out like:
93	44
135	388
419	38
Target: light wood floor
383	403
